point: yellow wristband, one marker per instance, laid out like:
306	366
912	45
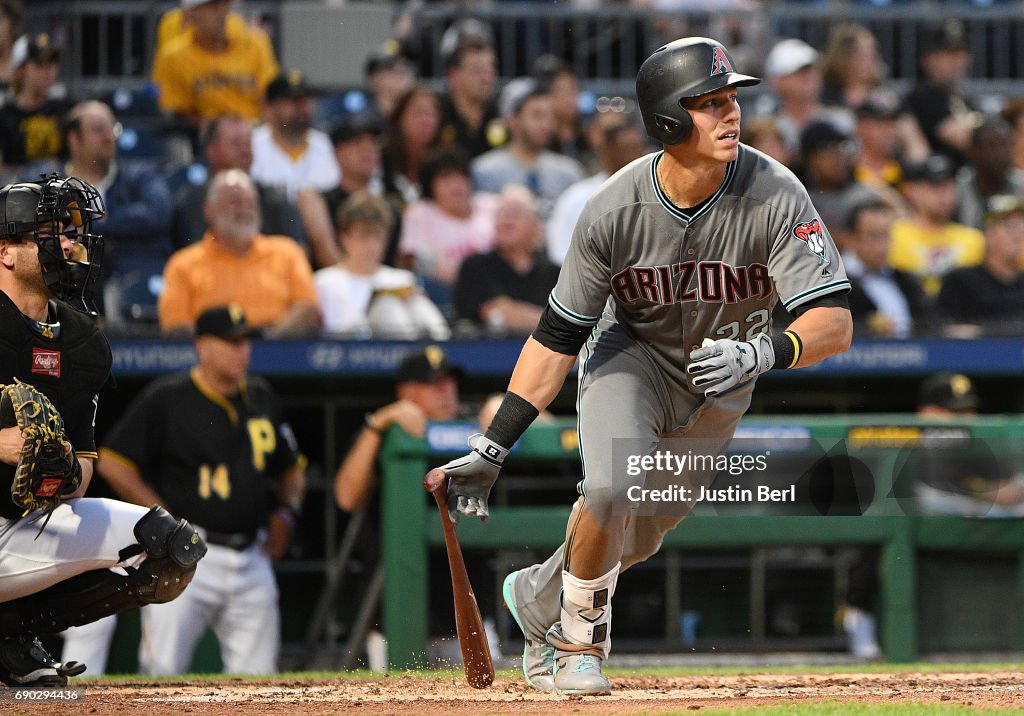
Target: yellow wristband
798	348
788	348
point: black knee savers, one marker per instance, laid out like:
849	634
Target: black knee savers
173	548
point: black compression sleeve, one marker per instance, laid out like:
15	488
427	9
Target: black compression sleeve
512	419
834	300
788	345
560	335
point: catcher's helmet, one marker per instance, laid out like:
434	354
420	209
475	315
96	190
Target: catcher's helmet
48	209
684	68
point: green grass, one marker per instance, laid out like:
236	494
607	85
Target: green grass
667	671
849	708
873	668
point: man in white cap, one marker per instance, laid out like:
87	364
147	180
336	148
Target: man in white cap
793	72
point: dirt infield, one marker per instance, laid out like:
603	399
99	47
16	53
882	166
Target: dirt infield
422	695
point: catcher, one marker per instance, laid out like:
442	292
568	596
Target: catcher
64	560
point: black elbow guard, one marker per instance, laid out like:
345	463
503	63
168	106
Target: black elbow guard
560	335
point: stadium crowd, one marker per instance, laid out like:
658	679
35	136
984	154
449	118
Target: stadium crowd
915	186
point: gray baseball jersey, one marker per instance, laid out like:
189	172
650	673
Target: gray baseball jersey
673	277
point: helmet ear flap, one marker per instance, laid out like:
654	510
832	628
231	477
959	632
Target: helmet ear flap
666	124
673	130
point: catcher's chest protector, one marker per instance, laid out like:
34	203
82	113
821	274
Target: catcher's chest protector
76	359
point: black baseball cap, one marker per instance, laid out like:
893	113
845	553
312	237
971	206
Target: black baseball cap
389	55
38	48
547	67
289	85
952	391
227	322
880	104
354	124
821	135
425	365
933	170
947	35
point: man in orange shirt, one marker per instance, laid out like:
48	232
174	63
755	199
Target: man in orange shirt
210	71
269	276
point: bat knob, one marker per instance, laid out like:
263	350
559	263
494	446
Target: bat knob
433	479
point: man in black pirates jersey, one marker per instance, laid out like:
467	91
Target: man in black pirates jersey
210	444
56	563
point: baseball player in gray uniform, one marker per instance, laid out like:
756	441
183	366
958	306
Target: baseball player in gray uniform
668	286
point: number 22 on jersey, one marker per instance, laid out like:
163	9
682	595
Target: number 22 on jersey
755	324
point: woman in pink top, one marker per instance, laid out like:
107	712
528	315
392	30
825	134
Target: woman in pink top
449	222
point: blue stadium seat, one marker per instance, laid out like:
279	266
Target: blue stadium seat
329	107
193	174
440	293
130	299
134	102
141	139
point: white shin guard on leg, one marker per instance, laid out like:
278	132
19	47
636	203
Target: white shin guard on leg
587	613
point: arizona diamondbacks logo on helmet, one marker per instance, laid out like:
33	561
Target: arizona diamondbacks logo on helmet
811	233
720	62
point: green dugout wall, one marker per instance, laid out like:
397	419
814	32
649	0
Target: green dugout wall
411	525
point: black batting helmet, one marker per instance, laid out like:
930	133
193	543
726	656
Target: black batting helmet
684	68
47	210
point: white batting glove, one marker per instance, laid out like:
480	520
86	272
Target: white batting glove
471	477
721	365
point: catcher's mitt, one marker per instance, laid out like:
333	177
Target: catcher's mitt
48	469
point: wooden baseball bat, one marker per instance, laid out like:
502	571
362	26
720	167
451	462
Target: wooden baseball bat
476	656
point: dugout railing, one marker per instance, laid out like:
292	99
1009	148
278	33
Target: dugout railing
411	527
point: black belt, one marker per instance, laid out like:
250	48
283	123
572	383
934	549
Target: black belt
235	540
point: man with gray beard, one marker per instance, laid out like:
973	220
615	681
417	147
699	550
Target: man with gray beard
268	276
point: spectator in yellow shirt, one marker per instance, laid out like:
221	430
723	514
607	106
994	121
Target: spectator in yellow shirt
210	71
177	21
928	243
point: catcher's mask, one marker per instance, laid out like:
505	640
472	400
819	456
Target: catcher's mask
52	208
